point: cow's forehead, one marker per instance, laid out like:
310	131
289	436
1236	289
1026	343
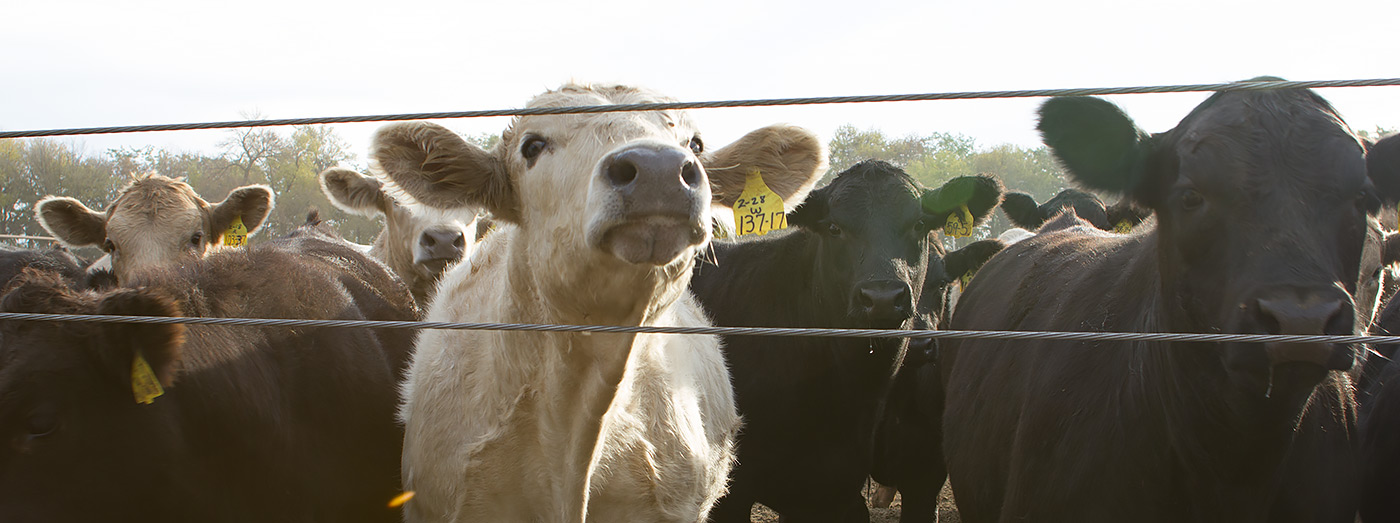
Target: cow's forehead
603	125
157	196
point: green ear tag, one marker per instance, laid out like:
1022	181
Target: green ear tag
237	234
1123	227
144	384
959	223
759	209
964	280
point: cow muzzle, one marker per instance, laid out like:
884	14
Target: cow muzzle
438	248
885	303
1308	315
655	201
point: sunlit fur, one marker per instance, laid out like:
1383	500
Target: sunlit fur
534	426
154	221
398	244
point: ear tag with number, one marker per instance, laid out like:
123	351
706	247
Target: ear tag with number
1123	227
237	234
759	209
959	223
964	280
144	384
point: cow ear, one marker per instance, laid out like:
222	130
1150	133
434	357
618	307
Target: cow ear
970	258
250	203
438	168
1096	142
811	211
71	222
1125	212
980	193
1022	210
355	193
789	158
1383	167
159	345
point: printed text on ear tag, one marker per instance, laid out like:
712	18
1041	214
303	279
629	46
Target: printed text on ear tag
1123	227
959	223
144	384
237	234
759	209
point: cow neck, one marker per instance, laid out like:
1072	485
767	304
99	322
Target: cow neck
1225	444
401	262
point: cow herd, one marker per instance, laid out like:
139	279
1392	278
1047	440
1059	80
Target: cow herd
1256	214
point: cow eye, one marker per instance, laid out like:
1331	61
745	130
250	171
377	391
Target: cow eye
833	230
697	146
196	239
1191	200
108	246
42	423
532	146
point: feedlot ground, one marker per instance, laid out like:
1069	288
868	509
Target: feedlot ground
947	511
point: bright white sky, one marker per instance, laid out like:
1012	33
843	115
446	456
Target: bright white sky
82	64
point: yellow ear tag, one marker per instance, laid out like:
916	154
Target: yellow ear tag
1123	227
144	384
959	223
759	209
964	280
237	234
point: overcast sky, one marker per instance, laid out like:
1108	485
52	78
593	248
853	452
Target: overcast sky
83	64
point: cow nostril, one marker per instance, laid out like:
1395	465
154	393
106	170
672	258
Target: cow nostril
428	240
690	174
621	173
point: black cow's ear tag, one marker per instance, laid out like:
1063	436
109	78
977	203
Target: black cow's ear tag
964	280
759	210
237	233
1123	227
144	384
959	223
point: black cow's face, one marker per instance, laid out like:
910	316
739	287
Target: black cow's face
871	235
1261	200
74	444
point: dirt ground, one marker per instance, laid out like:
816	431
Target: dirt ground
947	511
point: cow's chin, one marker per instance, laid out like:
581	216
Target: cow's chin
653	240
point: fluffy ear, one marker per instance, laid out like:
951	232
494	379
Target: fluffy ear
970	258
980	193
812	210
1390	253
1126	214
251	203
789	158
1022	210
1383	166
71	222
158	344
1096	142
355	193
438	168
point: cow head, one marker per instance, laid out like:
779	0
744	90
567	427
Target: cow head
1024	212
870	230
71	424
154	221
1261	201
418	243
621	192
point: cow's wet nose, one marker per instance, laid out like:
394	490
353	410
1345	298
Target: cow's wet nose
643	167
441	244
885	302
1307	316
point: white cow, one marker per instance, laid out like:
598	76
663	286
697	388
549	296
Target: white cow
418	244
601	218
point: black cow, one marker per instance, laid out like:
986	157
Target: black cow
854	256
1025	213
1261	200
14	260
255	423
908	453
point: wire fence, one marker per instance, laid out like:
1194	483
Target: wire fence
724	331
769	102
26	237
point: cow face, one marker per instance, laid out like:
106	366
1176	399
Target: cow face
155	221
634	187
417	243
870	227
1261	201
70	424
1024	212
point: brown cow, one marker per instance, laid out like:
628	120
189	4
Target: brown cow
255	423
154	221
